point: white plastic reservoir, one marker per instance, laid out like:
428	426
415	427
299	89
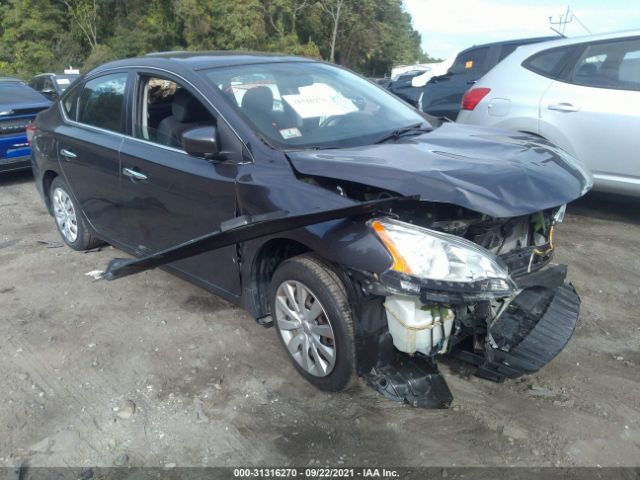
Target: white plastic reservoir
418	328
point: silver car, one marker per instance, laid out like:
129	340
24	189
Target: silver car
582	94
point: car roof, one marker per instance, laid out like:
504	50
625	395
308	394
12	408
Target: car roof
527	50
51	74
202	60
518	41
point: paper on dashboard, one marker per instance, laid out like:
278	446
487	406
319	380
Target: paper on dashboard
319	100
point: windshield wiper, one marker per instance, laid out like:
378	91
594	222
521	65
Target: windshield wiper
401	132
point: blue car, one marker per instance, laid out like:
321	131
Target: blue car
19	105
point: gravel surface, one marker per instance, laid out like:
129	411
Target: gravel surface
152	371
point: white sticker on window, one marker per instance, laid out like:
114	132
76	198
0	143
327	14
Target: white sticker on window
63	81
319	100
288	133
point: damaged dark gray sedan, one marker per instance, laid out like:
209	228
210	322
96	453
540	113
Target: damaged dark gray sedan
373	238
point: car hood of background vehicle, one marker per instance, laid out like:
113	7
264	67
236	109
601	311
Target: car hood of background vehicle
499	173
21	97
18	106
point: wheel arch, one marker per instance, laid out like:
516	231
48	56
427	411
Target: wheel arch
343	243
264	263
47	180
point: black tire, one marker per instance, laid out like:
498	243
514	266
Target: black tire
84	239
326	286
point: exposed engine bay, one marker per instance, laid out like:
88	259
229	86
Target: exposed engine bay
506	328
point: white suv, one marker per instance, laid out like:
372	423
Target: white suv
582	94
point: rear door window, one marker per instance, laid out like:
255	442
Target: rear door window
101	102
614	65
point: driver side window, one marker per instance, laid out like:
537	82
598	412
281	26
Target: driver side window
166	110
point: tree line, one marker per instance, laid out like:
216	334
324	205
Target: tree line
369	36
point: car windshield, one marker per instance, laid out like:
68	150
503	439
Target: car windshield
63	81
302	105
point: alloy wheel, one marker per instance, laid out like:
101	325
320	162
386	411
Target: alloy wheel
305	328
65	215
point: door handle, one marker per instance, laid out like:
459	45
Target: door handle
134	174
564	107
472	82
67	153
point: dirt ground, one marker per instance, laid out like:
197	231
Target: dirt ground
212	387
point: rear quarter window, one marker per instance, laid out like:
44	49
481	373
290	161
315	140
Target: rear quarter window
69	103
548	63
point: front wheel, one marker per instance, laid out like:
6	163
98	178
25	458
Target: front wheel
312	316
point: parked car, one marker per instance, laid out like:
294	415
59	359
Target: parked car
435	69
19	105
51	85
408	86
582	94
372	240
402	87
442	94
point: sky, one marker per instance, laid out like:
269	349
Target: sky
448	26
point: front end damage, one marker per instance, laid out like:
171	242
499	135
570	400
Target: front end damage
462	283
507	323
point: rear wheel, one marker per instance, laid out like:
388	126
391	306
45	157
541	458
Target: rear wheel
69	218
313	319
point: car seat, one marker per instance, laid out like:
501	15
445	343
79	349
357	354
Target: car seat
186	112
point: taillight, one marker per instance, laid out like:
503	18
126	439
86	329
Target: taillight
31	130
473	97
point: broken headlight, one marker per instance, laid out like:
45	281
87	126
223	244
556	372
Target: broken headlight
558	216
443	259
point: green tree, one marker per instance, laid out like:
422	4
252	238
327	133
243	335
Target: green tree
222	25
143	27
30	30
367	35
85	16
334	10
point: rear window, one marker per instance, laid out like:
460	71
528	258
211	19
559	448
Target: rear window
548	63
19	93
64	82
471	62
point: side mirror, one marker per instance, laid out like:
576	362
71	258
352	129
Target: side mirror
49	93
201	142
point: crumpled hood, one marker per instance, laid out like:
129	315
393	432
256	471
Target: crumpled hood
496	172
